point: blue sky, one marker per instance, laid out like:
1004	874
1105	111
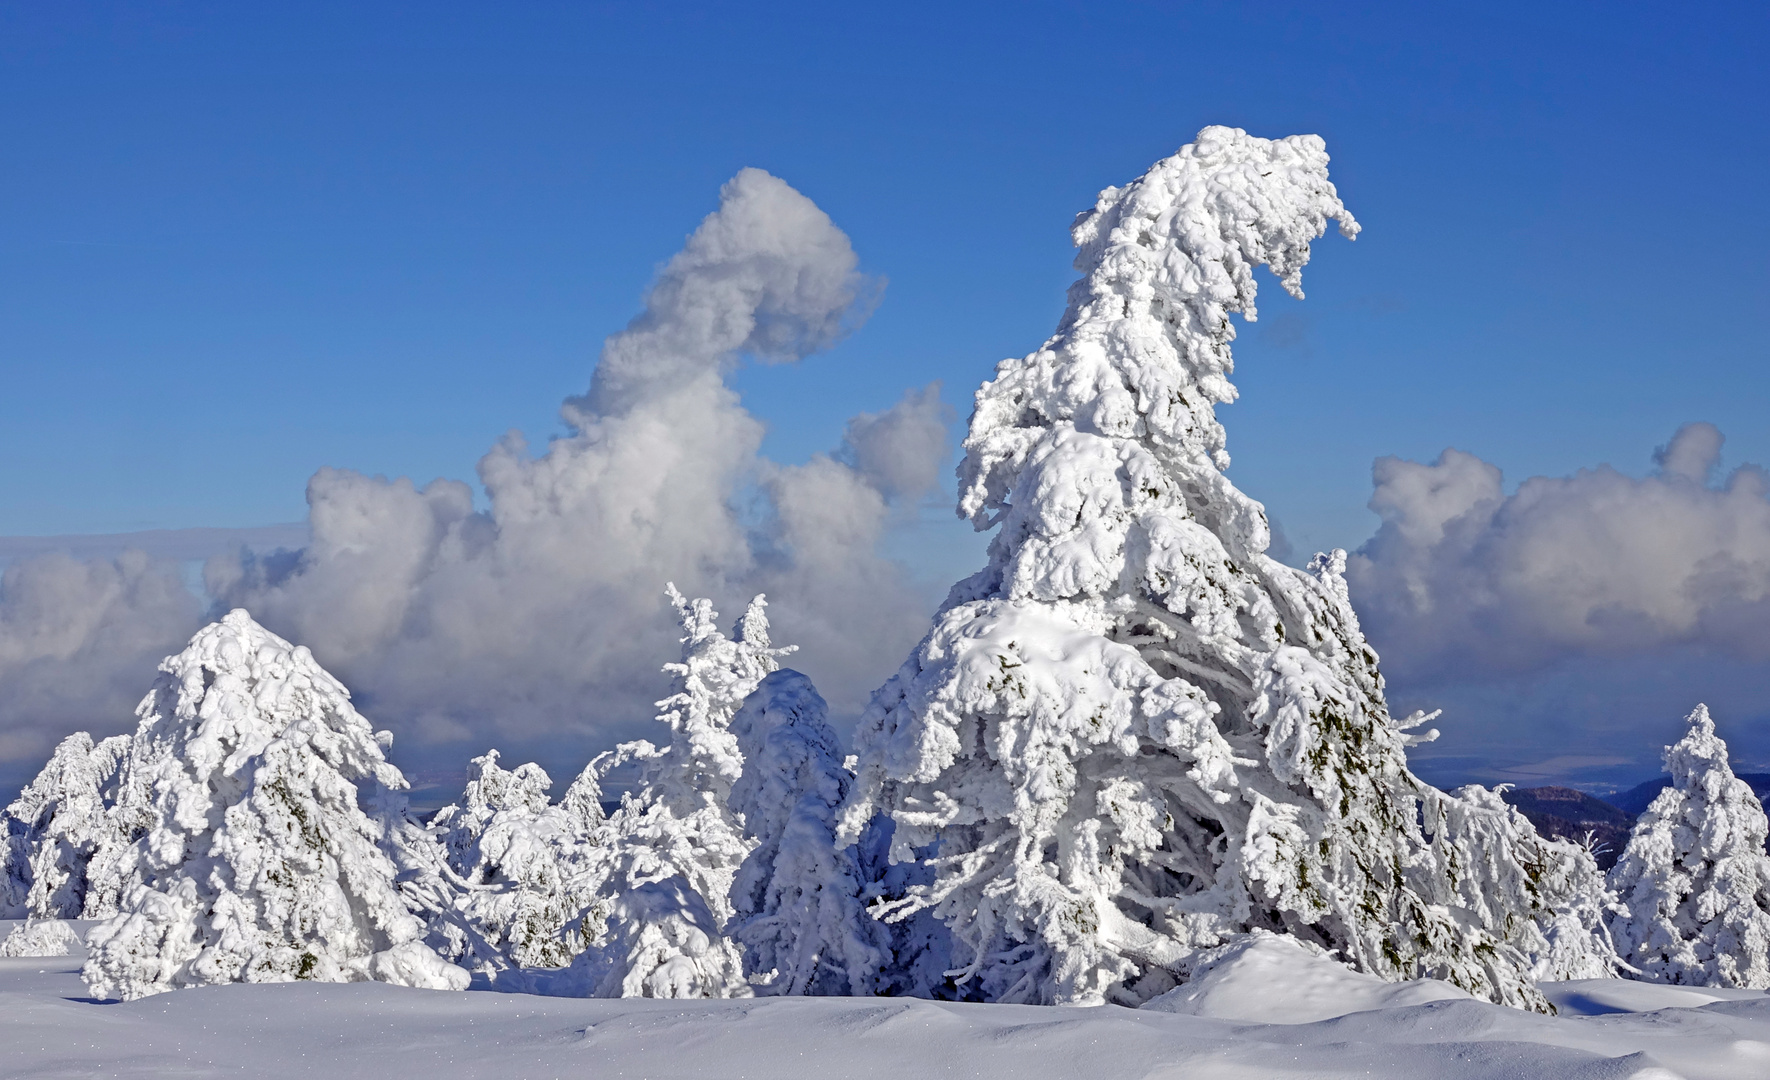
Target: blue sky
238	243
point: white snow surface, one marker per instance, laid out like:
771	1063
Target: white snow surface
1608	1030
1276	979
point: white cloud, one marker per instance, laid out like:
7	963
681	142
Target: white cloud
1598	563
79	641
539	621
1575	620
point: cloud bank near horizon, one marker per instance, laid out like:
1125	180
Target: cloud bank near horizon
1595	608
538	623
1576	612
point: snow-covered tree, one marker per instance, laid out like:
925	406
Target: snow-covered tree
259	866
54	827
800	917
1134	734
663	872
516	856
1694	877
40	937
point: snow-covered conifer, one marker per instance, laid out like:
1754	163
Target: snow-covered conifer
259	866
1694	877
664	869
516	855
1133	734
40	937
54	827
800	918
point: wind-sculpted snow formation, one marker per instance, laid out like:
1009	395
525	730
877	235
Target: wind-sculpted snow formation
1133	735
515	859
800	916
258	865
1694	877
53	830
667	856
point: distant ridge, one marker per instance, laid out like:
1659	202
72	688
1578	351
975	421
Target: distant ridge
1572	815
1635	800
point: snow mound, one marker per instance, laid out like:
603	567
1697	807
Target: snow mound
1597	997
1274	979
42	937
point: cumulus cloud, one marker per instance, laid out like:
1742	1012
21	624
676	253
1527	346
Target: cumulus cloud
1566	627
1461	574
537	622
79	641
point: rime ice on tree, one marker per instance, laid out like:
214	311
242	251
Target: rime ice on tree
1694	876
1133	734
669	853
515	857
54	828
799	917
259	865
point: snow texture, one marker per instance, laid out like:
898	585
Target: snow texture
799	912
1277	979
516	857
1694	876
259	865
56	826
1133	736
1607	1030
42	937
665	860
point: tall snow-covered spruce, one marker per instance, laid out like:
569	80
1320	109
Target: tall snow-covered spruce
1134	735
258	864
662	872
799	914
1694	877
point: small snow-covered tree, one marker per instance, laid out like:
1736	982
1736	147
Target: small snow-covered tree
799	913
663	872
259	866
516	856
40	937
1694	877
1134	735
53	829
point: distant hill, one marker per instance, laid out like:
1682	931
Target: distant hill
1571	815
1635	800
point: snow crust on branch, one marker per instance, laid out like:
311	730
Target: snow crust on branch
515	859
799	913
1694	875
40	937
259	865
52	831
1133	735
666	857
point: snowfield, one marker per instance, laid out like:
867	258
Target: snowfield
1607	1028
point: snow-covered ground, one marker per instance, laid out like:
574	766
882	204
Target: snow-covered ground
1226	1029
